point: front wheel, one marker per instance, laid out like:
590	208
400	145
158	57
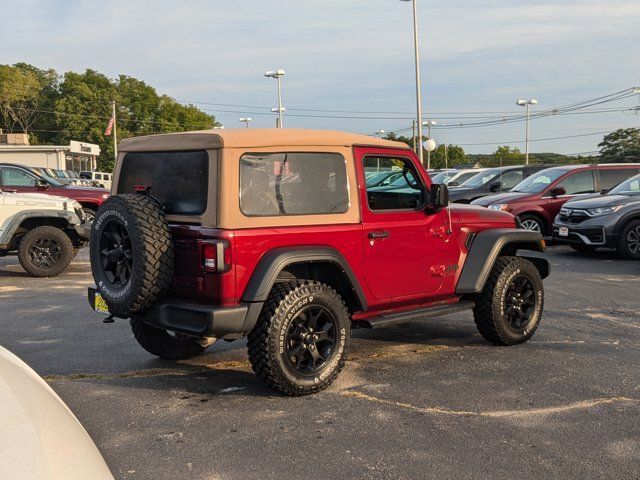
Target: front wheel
45	251
299	344
89	215
533	223
629	246
509	308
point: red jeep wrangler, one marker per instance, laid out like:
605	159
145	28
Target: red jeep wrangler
272	234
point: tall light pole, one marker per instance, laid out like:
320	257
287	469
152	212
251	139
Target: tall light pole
418	94
246	121
277	74
380	132
428	123
527	103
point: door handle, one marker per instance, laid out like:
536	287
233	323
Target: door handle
380	234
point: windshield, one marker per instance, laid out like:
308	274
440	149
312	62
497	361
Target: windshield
537	182
376	178
444	177
51	181
628	187
463	177
401	181
481	178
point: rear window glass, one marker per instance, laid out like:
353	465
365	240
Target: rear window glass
274	184
178	179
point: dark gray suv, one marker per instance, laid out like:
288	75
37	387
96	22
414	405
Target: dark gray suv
611	220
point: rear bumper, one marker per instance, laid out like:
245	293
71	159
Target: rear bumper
197	319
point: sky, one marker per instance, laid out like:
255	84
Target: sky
345	56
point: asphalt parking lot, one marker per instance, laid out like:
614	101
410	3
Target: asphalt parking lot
422	400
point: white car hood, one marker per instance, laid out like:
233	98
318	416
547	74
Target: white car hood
34	199
40	437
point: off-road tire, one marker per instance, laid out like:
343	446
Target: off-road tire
528	217
581	248
266	341
162	344
624	245
46	232
151	246
489	312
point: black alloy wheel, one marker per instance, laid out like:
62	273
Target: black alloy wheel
520	302
311	339
45	252
633	240
116	253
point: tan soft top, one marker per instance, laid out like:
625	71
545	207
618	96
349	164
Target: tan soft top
251	138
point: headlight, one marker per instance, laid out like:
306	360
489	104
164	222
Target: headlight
105	196
499	206
594	212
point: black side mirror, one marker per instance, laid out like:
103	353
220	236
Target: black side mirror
438	196
604	191
41	184
495	186
556	192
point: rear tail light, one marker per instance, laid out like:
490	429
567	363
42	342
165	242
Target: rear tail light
216	255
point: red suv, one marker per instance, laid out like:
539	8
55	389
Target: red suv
274	235
537	200
19	178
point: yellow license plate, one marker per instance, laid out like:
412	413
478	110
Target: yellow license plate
100	305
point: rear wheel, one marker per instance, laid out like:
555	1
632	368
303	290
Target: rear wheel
165	344
45	251
509	308
629	246
533	223
299	344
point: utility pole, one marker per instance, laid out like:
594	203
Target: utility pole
413	135
527	103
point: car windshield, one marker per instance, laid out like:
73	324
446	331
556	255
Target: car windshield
403	180
443	177
51	181
628	187
539	181
481	178
463	177
376	178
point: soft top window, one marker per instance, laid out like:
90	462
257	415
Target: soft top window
273	184
178	179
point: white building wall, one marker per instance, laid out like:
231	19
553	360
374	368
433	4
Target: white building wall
49	159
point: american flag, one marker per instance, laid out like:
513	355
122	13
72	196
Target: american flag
107	132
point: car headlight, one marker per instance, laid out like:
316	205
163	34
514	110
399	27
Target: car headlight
594	212
105	196
499	206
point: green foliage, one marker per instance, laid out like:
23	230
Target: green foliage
623	145
77	106
447	156
506	155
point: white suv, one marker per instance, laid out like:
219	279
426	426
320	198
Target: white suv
46	231
98	179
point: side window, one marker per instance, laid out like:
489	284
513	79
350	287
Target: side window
511	179
98	176
404	193
273	184
15	177
579	182
610	178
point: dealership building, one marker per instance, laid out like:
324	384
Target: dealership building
77	156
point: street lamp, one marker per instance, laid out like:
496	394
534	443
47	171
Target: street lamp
527	103
380	132
428	123
417	62
277	74
246	121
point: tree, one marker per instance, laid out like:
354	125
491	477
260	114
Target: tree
623	145
447	156
506	155
19	93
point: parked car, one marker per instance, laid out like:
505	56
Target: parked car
537	199
19	178
41	439
382	179
461	176
99	179
46	231
611	220
492	181
192	253
443	176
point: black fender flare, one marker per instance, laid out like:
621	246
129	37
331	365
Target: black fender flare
273	262
487	246
14	223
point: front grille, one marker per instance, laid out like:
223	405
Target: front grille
573	216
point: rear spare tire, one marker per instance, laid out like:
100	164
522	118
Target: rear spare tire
131	253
